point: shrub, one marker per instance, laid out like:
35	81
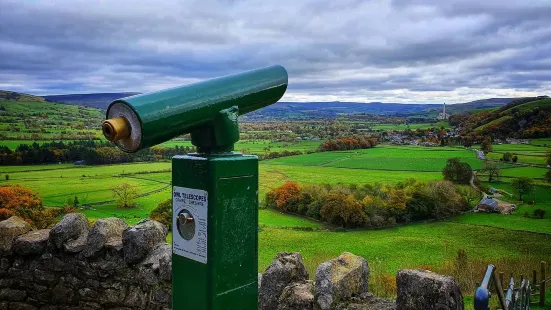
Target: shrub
7	177
539	213
163	213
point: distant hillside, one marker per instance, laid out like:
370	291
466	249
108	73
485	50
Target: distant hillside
320	110
14	96
99	100
521	118
480	104
28	121
303	110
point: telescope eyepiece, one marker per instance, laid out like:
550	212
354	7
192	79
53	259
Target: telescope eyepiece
115	129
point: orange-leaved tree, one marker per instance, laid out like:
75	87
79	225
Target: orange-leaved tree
285	197
21	201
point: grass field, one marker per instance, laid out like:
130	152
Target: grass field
531	172
259	147
408	158
545	142
526	153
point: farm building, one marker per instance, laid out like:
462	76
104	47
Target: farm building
488	204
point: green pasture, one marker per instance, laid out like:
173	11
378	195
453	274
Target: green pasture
518	149
12	169
272	176
259	147
531	172
413	246
545	142
397	158
522	159
273	218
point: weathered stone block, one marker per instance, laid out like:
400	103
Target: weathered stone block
286	268
44	277
421	289
71	233
105	231
21	306
139	240
340	279
9	230
297	296
32	243
8	294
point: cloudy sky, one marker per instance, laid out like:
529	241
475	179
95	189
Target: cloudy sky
429	51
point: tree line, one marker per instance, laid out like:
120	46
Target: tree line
372	205
345	144
90	152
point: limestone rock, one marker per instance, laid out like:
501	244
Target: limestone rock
165	268
71	233
285	269
340	279
105	231
160	253
297	296
32	243
420	289
9	230
139	240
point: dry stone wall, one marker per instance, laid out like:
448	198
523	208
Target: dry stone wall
114	266
71	266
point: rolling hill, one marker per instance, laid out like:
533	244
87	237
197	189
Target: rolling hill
6	95
521	118
98	100
287	110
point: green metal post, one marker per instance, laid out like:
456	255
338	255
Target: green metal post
215	191
217	268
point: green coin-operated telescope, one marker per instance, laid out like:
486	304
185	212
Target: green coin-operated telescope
215	191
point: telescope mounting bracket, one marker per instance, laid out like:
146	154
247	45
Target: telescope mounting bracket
219	135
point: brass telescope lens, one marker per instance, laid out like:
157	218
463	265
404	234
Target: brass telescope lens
115	129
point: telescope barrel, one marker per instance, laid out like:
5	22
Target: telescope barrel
141	121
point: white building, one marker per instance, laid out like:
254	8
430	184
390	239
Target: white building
443	115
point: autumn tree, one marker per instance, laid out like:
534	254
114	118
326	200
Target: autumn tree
522	186
285	197
342	210
447	201
486	145
125	195
21	201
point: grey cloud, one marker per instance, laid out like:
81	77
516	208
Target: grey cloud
354	49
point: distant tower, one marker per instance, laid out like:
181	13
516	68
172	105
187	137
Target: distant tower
443	115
